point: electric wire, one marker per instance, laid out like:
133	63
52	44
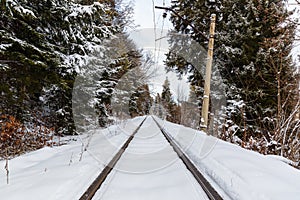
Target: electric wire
154	28
159	40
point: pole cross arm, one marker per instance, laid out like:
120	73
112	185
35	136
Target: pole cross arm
188	22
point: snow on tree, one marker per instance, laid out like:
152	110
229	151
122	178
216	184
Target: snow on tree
190	114
173	113
253	43
140	102
44	45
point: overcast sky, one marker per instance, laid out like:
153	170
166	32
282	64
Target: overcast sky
144	13
152	26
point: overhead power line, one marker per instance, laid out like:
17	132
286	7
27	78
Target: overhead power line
188	22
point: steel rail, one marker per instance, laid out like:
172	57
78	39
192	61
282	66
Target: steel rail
91	191
211	193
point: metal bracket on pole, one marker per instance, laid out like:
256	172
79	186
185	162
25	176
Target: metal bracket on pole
188	22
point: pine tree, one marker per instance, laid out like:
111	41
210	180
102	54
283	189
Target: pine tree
173	111
190	110
157	108
253	42
140	102
44	45
253	78
27	62
281	82
127	73
166	95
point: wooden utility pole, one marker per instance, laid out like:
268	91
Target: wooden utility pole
205	105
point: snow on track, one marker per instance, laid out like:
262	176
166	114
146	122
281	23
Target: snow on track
150	170
234	172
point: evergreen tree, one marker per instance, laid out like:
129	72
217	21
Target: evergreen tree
44	45
157	108
140	102
253	43
173	110
166	95
27	61
190	110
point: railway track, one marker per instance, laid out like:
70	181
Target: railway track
205	185
90	192
211	193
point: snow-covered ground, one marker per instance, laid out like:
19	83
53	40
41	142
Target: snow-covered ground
150	169
63	172
59	173
242	174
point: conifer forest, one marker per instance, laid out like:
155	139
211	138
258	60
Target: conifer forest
55	54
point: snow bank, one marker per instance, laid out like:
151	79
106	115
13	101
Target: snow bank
236	172
52	173
63	172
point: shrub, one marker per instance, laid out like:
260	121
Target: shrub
16	138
